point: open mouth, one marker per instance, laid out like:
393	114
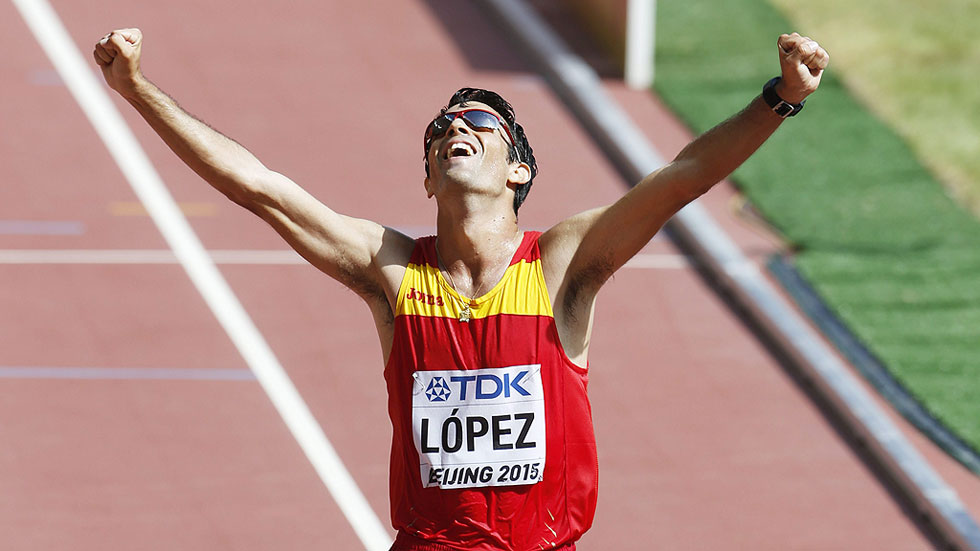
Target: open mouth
460	149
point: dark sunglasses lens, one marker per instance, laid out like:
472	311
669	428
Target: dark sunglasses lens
441	124
437	127
481	120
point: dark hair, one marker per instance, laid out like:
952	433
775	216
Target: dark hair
520	150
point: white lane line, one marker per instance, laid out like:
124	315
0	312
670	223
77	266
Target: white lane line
146	183
659	262
145	256
126	373
275	257
41	227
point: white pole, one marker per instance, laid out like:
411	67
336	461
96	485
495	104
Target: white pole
640	29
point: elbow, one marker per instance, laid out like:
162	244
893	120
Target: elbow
696	179
249	190
682	188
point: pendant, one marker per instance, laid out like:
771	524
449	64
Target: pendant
466	312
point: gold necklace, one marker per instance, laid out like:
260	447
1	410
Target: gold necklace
465	311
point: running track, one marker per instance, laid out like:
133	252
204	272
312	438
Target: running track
129	420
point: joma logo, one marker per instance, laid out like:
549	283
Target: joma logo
424	298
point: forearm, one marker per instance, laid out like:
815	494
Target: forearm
602	240
219	160
718	152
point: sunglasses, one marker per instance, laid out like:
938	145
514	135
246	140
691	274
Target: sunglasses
477	119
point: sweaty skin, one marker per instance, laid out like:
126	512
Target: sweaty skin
477	236
476	226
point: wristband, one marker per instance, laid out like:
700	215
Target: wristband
779	106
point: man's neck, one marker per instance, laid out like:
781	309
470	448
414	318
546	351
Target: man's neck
475	247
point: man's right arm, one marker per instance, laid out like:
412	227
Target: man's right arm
361	254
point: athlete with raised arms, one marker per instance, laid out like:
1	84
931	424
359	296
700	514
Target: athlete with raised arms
485	328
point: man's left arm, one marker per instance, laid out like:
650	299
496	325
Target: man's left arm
582	252
600	241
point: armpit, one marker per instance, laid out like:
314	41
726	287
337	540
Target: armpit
582	286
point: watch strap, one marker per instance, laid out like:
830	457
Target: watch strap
778	105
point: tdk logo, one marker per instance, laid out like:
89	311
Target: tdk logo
438	390
477	387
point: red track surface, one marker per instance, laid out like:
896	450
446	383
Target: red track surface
704	442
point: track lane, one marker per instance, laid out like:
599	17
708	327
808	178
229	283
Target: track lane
336	365
95	331
155	465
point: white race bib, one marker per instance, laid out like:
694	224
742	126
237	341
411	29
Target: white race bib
480	427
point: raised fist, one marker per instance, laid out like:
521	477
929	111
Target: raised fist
802	61
118	54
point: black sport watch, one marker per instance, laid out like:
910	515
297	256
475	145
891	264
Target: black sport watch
779	106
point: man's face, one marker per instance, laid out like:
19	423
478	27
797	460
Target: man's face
474	145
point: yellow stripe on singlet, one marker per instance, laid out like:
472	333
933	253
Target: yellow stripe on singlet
522	291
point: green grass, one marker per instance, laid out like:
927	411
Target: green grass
914	65
877	234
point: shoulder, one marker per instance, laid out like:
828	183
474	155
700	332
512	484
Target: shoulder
569	232
560	243
391	257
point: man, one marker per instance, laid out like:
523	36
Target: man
485	329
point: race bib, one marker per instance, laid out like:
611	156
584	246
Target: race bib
481	427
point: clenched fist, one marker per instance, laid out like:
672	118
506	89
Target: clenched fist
118	54
802	61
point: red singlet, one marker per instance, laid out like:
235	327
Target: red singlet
492	447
